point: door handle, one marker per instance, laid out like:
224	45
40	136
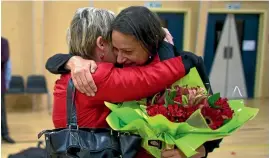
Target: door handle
228	52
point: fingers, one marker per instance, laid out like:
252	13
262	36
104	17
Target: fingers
83	81
76	77
201	152
87	82
75	82
166	40
168	153
91	87
174	153
167	31
168	37
93	66
81	74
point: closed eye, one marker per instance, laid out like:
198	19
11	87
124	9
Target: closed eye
127	51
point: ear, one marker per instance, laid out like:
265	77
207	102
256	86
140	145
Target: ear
100	43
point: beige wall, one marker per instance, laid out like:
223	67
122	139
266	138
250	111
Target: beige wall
17	28
37	30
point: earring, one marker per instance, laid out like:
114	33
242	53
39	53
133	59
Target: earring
102	56
149	57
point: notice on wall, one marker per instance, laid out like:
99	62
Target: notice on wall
233	5
249	45
153	4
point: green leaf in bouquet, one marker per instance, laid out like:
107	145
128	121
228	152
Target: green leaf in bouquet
226	121
170	96
168	100
143	109
173	94
178	103
153	99
214	106
165	98
142	101
184	100
212	100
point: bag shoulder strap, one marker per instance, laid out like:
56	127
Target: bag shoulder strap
71	105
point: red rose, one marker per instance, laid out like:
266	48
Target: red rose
172	110
180	113
176	113
213	117
182	119
190	110
205	102
152	110
226	111
216	125
162	110
178	90
222	102
171	118
178	99
160	99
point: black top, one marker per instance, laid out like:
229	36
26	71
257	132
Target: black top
56	65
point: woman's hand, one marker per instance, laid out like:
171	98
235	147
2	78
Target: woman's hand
172	153
176	153
81	73
168	37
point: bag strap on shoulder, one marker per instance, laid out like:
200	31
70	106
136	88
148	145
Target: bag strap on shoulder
71	105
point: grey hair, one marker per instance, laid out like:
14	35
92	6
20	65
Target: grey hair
86	26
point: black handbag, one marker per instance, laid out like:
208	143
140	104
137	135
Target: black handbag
76	142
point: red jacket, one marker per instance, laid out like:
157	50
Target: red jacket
116	85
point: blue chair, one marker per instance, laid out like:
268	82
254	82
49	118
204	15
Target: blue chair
16	85
36	84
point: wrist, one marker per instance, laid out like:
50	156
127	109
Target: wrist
205	152
70	63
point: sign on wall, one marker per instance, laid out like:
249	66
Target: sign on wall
233	6
249	45
153	4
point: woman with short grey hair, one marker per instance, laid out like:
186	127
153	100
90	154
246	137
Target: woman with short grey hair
90	27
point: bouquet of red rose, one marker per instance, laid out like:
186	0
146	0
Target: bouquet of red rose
178	104
185	116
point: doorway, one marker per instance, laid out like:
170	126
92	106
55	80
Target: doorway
231	51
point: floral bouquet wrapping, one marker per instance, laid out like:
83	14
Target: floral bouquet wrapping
185	116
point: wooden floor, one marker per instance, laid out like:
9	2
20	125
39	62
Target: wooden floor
252	141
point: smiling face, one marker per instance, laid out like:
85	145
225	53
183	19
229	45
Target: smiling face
128	49
136	35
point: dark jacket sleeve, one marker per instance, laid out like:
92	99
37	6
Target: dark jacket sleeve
56	63
166	51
